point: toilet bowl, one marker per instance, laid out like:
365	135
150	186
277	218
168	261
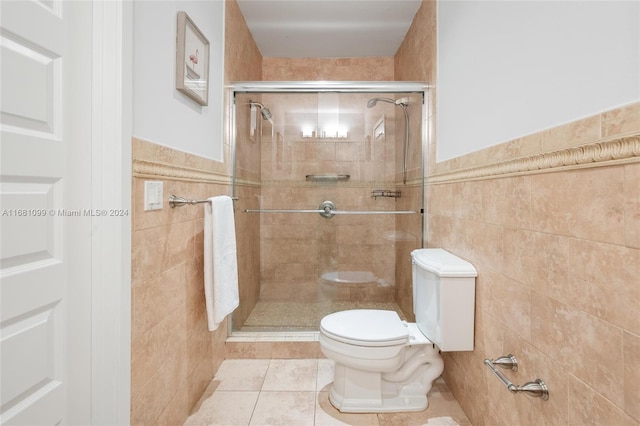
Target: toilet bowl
384	364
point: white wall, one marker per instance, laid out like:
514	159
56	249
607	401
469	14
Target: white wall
161	114
511	68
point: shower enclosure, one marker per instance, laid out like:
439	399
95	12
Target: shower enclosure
330	202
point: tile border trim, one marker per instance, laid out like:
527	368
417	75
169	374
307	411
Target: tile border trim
145	168
605	153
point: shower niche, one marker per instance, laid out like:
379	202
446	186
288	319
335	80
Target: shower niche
317	144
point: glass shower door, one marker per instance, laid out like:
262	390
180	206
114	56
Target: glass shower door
333	213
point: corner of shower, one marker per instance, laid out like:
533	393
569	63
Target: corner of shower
329	178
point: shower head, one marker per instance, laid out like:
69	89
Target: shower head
266	114
403	102
374	101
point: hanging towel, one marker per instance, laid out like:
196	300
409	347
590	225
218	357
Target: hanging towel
220	260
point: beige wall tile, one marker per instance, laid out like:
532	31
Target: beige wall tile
147	247
415	58
157	297
149	402
507	201
603	280
534	364
587	407
589	348
572	134
632	205
621	121
584	203
632	375
510	303
316	69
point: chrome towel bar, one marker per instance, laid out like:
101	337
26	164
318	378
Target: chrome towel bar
332	211
175	201
536	388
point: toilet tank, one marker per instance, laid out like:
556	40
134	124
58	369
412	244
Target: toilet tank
444	292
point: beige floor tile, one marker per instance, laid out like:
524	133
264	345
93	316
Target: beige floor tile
325	374
284	408
295	392
225	408
328	415
291	375
443	410
241	374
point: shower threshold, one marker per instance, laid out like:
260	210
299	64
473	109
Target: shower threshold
273	336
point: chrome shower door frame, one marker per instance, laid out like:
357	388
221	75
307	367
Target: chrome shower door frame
338	87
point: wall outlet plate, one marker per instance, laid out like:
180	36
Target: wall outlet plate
153	191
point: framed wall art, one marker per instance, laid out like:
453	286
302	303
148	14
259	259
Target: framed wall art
192	60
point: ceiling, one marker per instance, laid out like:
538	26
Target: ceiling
328	28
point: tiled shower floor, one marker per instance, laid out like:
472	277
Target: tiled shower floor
302	316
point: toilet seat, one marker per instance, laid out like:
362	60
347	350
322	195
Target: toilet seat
366	327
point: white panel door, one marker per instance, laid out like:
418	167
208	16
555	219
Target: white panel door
45	145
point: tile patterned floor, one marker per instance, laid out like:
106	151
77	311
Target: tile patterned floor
257	392
302	316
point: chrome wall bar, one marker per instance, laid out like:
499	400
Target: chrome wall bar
175	201
326	178
536	388
327	209
331	211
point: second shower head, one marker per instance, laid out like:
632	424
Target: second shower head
402	101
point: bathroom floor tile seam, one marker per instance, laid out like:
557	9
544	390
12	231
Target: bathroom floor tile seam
256	392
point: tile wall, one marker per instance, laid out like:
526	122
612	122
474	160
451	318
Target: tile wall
556	244
558	257
173	355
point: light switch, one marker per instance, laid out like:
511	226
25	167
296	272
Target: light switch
153	195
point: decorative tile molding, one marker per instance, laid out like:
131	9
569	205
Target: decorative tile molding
591	155
144	168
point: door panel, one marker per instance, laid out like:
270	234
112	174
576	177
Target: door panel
42	125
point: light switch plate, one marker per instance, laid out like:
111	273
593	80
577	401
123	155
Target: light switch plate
153	191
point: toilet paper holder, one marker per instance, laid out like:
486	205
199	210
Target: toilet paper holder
537	388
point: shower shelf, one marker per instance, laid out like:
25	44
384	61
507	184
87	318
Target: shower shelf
327	178
385	193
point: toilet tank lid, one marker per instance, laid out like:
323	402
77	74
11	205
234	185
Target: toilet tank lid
443	263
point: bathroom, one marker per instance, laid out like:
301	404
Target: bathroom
556	245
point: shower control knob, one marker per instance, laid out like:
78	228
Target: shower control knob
327	207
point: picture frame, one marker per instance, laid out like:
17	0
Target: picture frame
192	60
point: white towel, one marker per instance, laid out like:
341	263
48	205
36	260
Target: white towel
220	260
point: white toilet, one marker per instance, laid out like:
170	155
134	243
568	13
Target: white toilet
384	364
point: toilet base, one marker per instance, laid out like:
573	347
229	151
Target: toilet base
396	404
359	391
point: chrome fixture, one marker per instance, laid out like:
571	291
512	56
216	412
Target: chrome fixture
266	114
536	388
175	201
384	193
327	209
403	103
327	178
